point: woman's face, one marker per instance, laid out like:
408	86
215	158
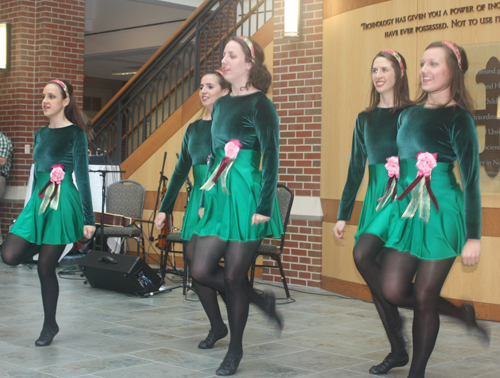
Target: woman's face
434	74
210	90
383	75
233	62
52	100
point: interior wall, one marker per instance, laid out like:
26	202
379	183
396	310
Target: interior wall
348	52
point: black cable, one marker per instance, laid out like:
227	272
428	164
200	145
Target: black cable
308	292
72	271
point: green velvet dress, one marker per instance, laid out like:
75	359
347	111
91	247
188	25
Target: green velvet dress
253	120
451	133
374	139
194	153
66	146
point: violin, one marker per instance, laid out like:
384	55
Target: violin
116	220
167	228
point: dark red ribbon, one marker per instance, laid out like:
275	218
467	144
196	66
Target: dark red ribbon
41	193
223	164
427	185
431	193
410	187
394	190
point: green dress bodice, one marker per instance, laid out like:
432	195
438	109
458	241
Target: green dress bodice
451	133
67	146
253	120
195	151
374	139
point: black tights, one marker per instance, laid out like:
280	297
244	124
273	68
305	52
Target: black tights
366	253
423	296
17	250
230	279
207	295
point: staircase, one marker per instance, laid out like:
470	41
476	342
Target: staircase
172	75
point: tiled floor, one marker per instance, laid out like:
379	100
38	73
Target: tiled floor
111	335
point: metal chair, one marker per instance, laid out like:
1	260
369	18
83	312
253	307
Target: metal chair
172	239
126	198
285	201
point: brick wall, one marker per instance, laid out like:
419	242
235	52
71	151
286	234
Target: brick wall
297	86
47	43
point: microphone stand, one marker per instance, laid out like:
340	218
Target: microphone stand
162	182
103	173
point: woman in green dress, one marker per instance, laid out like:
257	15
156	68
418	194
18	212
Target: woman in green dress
57	213
239	208
374	140
429	228
194	153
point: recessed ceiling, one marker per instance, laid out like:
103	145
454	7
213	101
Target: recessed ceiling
121	35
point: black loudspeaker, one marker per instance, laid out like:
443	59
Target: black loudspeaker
126	274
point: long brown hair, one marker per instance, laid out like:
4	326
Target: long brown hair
259	76
401	87
458	89
73	113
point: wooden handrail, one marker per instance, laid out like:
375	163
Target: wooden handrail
151	60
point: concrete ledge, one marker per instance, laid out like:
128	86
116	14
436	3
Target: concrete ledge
307	208
14	194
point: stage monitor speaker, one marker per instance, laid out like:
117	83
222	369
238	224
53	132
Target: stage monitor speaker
126	274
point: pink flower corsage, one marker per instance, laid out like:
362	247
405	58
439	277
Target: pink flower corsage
426	162
57	173
231	150
392	167
50	191
423	194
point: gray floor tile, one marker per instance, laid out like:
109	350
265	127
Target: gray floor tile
105	334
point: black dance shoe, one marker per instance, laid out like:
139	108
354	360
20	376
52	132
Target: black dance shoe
229	365
270	310
470	322
46	336
212	338
391	361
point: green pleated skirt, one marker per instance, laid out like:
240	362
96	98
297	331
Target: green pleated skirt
372	221
61	226
191	217
444	235
229	216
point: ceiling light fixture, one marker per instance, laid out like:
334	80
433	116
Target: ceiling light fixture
4	46
123	73
293	19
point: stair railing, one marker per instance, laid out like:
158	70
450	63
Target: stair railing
173	73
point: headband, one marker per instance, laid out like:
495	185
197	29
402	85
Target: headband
62	85
219	71
249	44
455	50
398	58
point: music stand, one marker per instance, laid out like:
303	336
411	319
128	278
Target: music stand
164	250
103	173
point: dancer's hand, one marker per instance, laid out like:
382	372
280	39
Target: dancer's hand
160	220
338	230
257	218
88	231
471	252
201	212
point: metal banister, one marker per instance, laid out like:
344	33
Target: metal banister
173	73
